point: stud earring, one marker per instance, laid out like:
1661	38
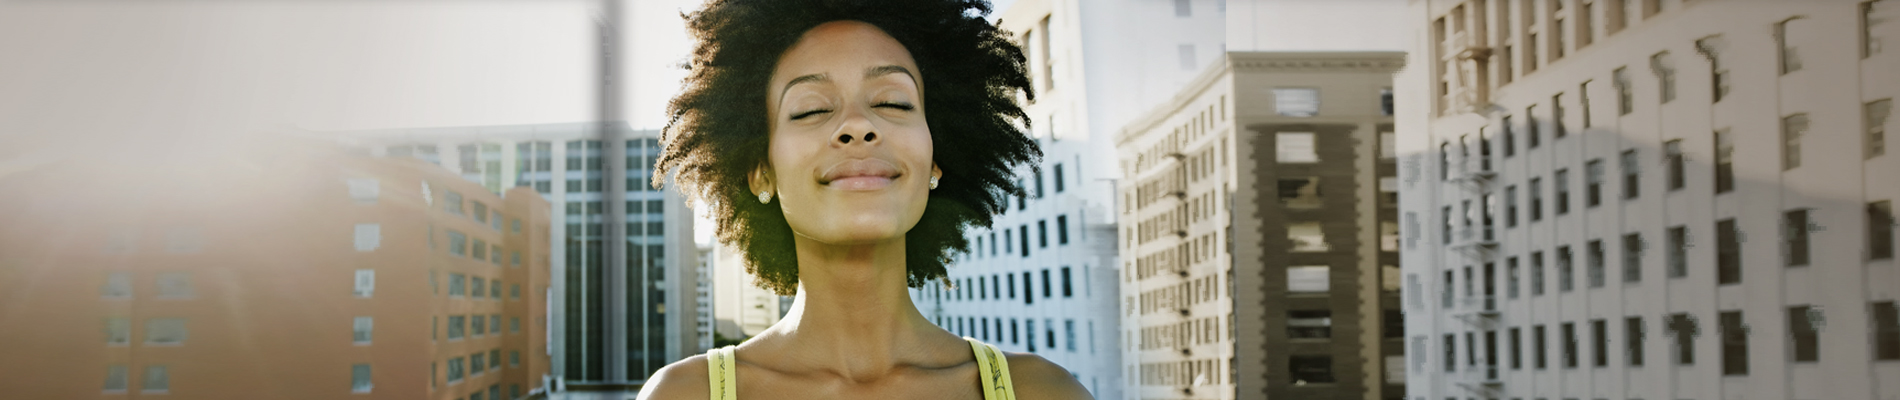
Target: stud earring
933	182
765	197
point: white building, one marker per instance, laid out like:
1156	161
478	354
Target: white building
611	327
740	308
1650	199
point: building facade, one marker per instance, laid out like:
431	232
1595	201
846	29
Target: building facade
622	311
269	268
1650	199
1258	233
740	308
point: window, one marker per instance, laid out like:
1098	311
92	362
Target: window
1309	324
1309	279
477	363
1385	101
174	285
1311	369
361	330
1059	180
1880	225
1540	357
1632	258
158	379
118	331
1728	252
1306	237
1042	234
1665	76
1532	133
514	358
116	378
1790	58
514	324
494	359
1022	236
1566	274
1183	8
1516	341
1593	182
1792	128
1537	199
1068	290
458	243
1795	240
1510	138
1718	74
1569	344
452	202
1557	114
1876	114
1625	98
1388	145
514	291
118	286
359	379
1599	343
165	332
1678	251
481	250
1296	102
363	190
494	289
1510	273
1537	273
478	287
455	370
1446	292
1300	192
1632	175
1388	236
1804	327
1875	25
1295	147
365	283
1886	321
1593	258
1724	162
1444	161
457	285
1633	340
456	324
1562	184
477	326
1683	327
1734	343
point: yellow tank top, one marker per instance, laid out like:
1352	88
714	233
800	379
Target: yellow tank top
992	370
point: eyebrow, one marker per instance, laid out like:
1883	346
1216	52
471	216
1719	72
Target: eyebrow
869	73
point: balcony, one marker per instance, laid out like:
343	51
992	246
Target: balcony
1464	62
1480	312
1483	382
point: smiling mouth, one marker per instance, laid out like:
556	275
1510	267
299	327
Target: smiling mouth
859	175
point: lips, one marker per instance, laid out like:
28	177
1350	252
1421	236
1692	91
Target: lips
859	174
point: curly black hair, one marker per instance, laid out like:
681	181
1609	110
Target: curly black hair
717	132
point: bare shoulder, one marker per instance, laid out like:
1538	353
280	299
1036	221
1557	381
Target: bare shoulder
682	380
1037	378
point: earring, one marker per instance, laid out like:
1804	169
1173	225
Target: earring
765	197
933	182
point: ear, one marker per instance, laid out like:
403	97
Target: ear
936	172
760	180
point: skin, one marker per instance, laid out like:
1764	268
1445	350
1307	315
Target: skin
839	108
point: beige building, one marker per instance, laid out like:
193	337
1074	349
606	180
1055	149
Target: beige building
740	308
1650	199
1256	236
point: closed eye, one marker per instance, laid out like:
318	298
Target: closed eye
897	105
802	115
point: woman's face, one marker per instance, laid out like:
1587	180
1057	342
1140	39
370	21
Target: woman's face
850	157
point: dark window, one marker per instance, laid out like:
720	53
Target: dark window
1678	251
1046	293
1875	115
1633	340
1632	175
1451	352
1446	291
1510	206
1394	326
1444	161
1795	240
1531	133
1537	273
1728	252
1566	271
1593	260
1042	233
1539	356
1068	290
1880	225
1600	343
1311	369
1309	324
1804	328
1062	229
1683	327
1673	155
1038	173
1445	218
1569	344
1510	137
1515	338
1632	258
1625	98
1562	183
1023	234
1557	111
1537	199
1724	162
1886	321
1058	180
1734	344
1010	279
1029	288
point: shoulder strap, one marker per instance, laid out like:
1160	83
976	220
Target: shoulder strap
993	370
721	366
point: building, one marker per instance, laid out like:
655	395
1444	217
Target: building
740	308
268	267
615	326
703	298
1258	233
1581	219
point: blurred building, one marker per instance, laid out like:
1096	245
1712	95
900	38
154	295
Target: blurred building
268	267
1258	232
1650	199
614	326
741	309
703	298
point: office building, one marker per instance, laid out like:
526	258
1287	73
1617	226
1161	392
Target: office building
1650	199
1258	232
614	326
268	267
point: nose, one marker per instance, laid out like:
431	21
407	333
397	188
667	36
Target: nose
857	127
846	137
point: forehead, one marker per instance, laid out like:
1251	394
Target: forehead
840	49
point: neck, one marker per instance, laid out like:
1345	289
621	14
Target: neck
853	314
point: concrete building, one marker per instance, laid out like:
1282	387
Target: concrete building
740	308
703	298
1258	233
1650	199
614	325
268	267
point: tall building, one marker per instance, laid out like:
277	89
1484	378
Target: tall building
268	267
623	311
1258	233
740	308
703	298
1582	218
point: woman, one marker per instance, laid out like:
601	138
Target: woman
843	146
